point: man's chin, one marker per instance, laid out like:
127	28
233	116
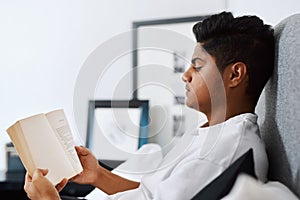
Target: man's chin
187	103
192	106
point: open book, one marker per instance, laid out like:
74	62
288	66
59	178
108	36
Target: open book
45	141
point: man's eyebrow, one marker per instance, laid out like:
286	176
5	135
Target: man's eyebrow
193	61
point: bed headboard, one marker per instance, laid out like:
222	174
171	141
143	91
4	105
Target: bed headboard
279	107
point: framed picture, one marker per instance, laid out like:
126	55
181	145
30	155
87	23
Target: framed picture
116	128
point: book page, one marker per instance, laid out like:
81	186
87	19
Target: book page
16	135
46	149
60	125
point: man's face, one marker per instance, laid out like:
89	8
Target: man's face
203	82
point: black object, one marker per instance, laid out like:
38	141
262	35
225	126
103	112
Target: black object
75	189
15	169
69	198
222	185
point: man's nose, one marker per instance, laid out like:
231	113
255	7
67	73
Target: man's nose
186	77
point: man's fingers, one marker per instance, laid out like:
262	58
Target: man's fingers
27	180
82	151
40	172
28	177
61	185
44	171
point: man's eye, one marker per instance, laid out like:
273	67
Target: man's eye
197	68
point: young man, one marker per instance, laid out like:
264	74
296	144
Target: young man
232	61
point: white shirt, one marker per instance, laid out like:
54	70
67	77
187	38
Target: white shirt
199	157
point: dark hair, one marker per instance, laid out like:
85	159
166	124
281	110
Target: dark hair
242	39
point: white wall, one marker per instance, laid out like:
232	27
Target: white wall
271	11
43	45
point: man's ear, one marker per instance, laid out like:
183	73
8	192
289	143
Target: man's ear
236	74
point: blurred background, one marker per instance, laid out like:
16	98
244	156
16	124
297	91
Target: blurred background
45	44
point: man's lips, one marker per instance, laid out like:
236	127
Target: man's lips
187	88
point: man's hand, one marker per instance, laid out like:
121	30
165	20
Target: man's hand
90	167
98	176
39	187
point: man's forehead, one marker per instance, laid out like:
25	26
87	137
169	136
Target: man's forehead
199	51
